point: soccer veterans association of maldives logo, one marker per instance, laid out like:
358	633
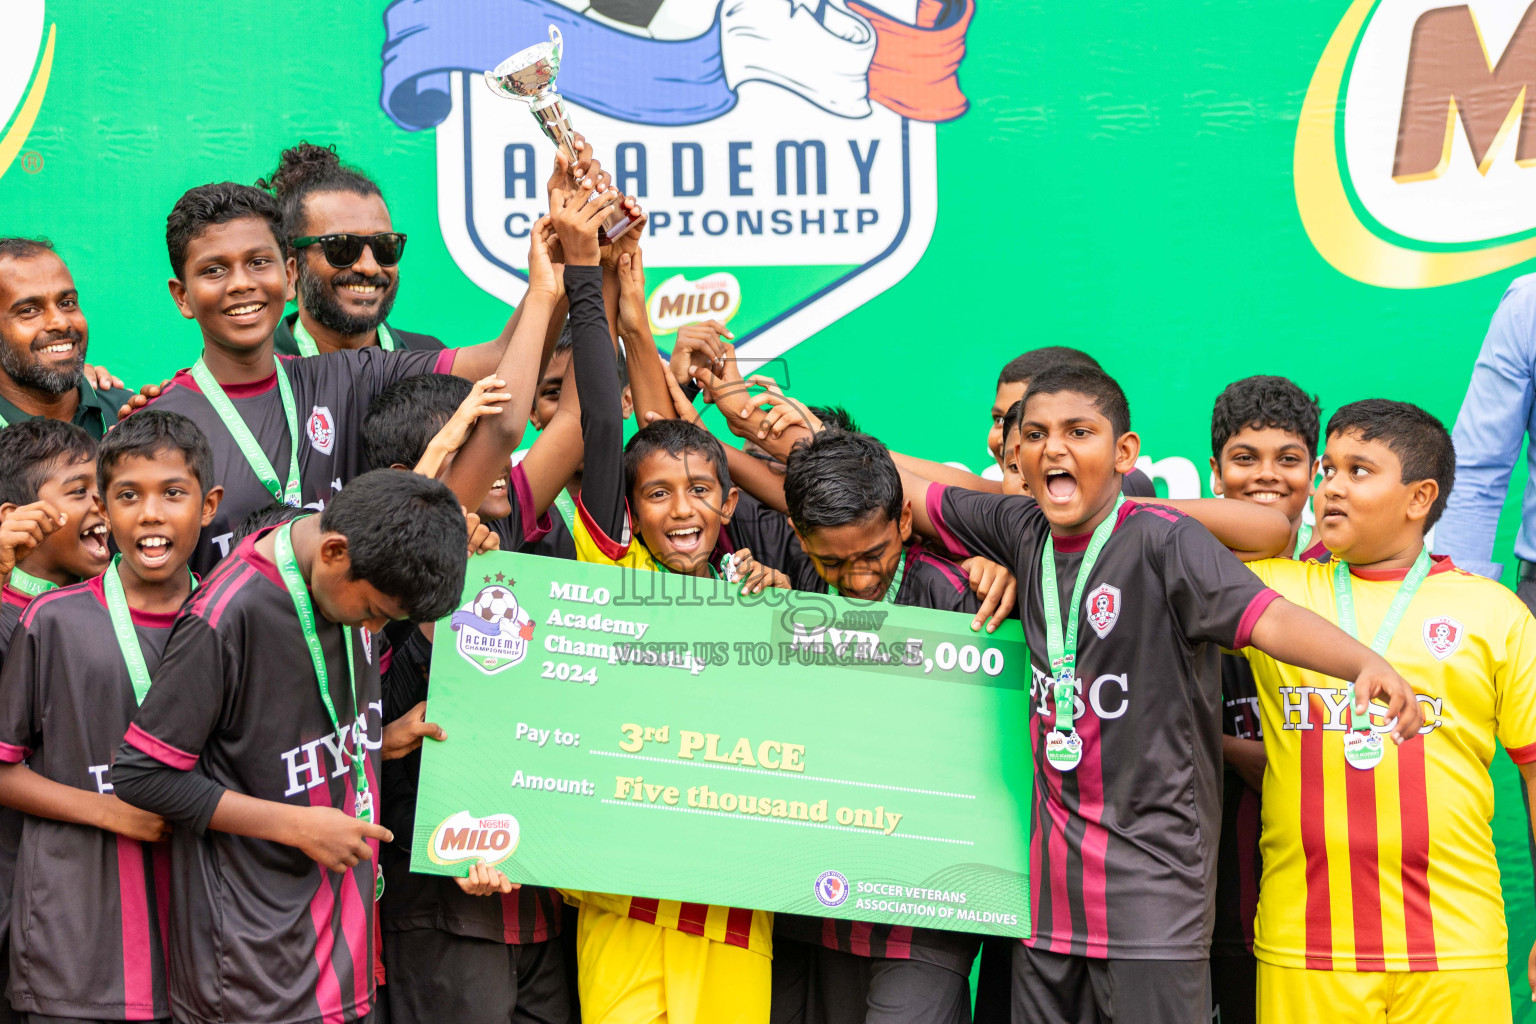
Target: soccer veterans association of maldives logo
785	150
492	630
831	888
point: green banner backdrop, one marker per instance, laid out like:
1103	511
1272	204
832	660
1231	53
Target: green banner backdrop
1192	192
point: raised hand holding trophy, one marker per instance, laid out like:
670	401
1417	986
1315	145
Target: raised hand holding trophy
529	75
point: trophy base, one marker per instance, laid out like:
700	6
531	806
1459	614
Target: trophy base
615	228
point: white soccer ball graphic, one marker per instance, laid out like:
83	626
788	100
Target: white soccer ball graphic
497	606
655	19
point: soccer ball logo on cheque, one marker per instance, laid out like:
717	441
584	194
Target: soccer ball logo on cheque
785	150
493	630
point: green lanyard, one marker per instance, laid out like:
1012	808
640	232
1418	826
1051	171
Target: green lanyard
122	626
662	567
287	493
1303	540
29	584
1062	647
889	597
288	566
307	346
1344	606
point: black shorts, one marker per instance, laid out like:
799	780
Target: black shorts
1234	989
816	985
437	976
1052	988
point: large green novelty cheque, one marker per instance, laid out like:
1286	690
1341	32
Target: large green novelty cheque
617	730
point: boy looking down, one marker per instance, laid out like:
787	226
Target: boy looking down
1128	727
88	939
1391	912
260	742
846	505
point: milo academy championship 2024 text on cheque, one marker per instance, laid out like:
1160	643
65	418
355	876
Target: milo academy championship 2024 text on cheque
617	730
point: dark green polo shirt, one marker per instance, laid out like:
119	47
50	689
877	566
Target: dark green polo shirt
96	413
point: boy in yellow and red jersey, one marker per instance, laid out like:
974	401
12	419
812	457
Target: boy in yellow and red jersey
1380	895
659	503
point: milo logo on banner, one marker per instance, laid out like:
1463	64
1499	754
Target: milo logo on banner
1417	140
785	151
26	60
491	631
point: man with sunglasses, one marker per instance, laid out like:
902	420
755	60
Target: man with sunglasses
348	255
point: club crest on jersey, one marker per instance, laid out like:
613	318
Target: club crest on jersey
367	643
462	837
321	429
1442	635
831	888
763	136
492	630
1103	605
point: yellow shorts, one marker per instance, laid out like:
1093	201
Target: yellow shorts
631	972
1291	995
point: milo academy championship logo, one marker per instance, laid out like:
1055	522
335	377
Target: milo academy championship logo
1415	159
784	150
491	630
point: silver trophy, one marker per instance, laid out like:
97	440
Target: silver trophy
529	75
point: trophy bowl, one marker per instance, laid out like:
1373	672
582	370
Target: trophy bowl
529	75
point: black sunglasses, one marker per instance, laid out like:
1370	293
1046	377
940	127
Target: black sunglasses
344	250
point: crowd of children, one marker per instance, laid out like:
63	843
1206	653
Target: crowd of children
1261	790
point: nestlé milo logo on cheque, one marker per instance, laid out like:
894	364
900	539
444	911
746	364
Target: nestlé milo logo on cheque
463	837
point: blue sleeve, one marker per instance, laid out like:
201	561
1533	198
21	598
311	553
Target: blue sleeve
1489	431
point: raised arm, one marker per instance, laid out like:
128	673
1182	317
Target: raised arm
483	459
1250	531
595	368
951	476
647	373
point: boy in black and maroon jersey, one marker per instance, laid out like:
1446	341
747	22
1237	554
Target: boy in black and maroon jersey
1263	450
52	532
452	953
845	501
273	876
1123	839
232	275
88	941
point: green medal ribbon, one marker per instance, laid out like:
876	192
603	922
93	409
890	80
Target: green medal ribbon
307	346
1303	540
662	567
298	591
889	597
287	493
1062	648
122	627
29	584
1344	606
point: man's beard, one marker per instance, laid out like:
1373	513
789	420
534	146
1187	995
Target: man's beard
320	299
31	373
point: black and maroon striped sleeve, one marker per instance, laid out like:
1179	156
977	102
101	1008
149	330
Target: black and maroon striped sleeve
187	698
1215	598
